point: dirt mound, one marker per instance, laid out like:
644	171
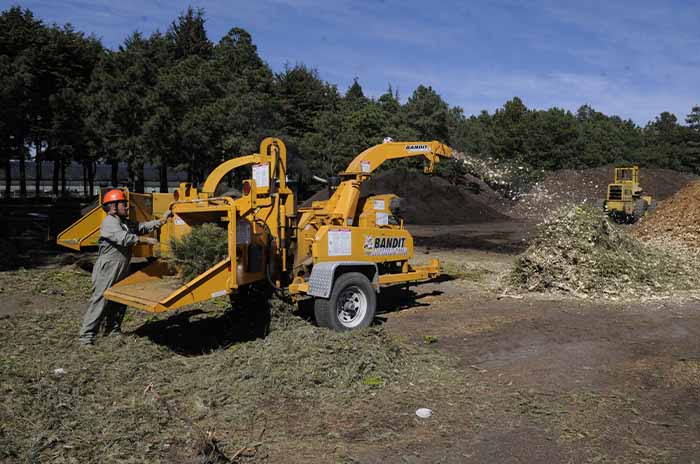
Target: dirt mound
433	200
580	251
568	186
677	218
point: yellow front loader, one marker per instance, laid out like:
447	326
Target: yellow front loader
625	202
340	252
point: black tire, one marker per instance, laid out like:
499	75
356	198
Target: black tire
639	207
352	304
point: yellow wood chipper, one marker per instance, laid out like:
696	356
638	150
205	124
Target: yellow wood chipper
340	251
625	202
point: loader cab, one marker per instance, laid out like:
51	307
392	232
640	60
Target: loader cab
625	186
630	174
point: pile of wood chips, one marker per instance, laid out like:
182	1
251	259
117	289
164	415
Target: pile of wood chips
676	219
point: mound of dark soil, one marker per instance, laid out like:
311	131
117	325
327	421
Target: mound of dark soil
569	186
433	200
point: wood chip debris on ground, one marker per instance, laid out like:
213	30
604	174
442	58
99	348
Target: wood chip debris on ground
580	252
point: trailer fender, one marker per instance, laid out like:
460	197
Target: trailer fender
324	274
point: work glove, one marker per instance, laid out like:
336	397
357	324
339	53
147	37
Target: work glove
148	240
165	217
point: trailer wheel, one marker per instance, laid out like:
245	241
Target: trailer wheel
352	304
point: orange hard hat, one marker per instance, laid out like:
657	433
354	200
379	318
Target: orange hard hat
114	195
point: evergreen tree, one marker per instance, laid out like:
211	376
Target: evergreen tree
427	114
394	117
509	130
663	143
302	97
188	36
692	140
355	98
119	104
21	36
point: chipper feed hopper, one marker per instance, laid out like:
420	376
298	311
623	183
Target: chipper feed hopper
340	252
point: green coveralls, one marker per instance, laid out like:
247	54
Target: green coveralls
117	236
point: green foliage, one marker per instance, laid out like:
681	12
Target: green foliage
199	250
188	36
427	114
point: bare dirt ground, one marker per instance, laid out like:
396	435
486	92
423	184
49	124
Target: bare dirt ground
510	378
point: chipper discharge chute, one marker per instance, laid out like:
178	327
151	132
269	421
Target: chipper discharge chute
338	252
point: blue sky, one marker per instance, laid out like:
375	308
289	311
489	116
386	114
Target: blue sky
630	58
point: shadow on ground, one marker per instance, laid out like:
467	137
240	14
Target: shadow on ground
398	298
196	332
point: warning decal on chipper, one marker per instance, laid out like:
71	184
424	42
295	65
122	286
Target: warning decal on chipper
418	147
385	246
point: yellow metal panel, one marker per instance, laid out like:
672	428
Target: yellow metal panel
161	203
414	273
615	205
387	279
376	204
370	244
156	288
370	159
224	168
84	232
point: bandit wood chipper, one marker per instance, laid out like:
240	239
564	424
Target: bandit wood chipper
340	251
625	202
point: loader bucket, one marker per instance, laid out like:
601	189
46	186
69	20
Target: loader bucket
156	288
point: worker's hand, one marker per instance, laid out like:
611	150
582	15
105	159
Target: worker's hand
165	217
148	240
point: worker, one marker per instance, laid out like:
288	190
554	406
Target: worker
117	236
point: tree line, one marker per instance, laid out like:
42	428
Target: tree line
177	100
